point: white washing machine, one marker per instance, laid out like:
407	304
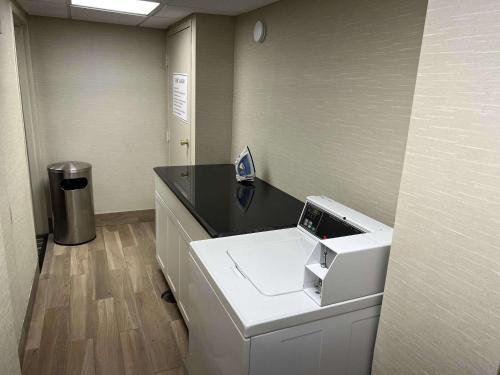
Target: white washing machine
304	300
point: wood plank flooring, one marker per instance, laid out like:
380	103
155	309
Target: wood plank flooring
98	309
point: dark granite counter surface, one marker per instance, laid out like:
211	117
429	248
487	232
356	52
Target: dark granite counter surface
225	207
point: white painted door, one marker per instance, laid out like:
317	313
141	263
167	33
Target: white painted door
179	66
167	243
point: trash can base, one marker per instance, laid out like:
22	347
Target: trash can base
75	244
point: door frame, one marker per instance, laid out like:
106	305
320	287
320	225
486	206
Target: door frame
180	26
34	150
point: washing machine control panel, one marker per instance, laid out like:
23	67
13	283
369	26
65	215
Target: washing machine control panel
324	225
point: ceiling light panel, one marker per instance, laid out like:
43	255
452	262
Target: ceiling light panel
95	15
121	6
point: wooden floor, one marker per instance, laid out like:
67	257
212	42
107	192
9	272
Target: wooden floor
98	309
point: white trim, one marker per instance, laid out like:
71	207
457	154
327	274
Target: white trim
30	119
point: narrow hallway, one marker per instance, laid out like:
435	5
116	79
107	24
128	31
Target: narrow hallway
98	309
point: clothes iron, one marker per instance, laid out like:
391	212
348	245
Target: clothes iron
245	168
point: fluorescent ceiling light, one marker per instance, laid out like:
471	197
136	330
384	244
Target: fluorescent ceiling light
123	6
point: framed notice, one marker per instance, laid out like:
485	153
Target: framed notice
180	95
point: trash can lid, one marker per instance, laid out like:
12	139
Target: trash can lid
69	166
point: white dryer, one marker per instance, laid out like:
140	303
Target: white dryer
298	301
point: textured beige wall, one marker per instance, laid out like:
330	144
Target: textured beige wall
441	309
9	361
17	236
16	212
214	88
324	103
102	98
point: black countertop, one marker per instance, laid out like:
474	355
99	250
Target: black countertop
225	207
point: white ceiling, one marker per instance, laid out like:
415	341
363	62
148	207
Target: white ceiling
169	12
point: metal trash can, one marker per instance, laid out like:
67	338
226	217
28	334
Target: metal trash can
72	202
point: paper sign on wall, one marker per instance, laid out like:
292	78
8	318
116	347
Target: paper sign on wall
180	95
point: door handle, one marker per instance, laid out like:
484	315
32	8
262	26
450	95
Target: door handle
184	142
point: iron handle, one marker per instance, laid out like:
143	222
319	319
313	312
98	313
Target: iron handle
184	142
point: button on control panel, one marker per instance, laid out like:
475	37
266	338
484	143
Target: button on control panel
311	217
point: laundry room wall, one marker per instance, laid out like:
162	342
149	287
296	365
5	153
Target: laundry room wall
18	254
213	62
324	103
101	95
441	309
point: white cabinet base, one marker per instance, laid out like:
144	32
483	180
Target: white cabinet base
175	229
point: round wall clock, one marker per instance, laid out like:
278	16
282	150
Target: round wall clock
259	32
